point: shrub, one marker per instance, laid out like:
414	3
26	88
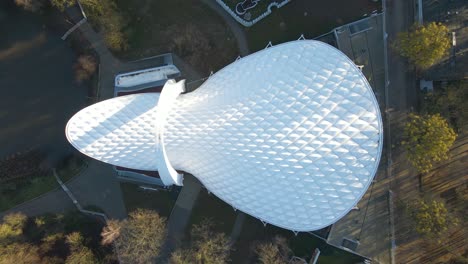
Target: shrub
30	5
85	67
62	4
115	39
12	227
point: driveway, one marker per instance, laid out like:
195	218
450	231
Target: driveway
38	92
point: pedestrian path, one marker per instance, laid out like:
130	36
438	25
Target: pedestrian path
182	209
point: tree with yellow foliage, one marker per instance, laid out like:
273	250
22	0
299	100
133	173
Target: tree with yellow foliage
424	45
430	217
427	139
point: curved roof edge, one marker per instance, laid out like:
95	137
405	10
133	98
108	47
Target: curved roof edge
169	94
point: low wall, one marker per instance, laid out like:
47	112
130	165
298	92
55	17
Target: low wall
253	22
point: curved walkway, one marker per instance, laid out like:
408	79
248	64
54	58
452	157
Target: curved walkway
235	27
95	185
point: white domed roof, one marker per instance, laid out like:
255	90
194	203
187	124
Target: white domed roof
291	135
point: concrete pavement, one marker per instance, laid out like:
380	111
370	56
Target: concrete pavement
180	215
98	186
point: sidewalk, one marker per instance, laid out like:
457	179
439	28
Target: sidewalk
180	215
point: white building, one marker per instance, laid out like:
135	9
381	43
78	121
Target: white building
291	135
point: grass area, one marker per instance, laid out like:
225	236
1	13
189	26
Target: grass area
311	18
188	28
161	201
302	245
211	207
105	17
21	191
253	231
18	191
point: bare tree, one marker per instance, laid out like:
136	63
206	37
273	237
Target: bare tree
137	239
206	247
276	252
110	232
79	253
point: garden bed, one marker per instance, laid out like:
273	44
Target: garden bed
254	14
161	201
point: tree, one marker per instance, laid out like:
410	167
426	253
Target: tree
85	67
450	103
424	45
19	253
205	247
110	232
139	238
12	227
80	254
427	139
62	4
275	252
430	217
30	5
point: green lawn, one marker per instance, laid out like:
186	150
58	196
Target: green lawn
160	201
311	18
18	191
188	28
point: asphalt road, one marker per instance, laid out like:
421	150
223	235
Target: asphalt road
38	92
